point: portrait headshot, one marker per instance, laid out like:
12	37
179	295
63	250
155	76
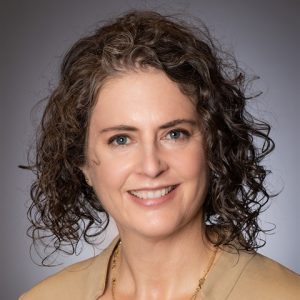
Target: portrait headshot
150	150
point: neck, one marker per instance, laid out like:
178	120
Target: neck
165	267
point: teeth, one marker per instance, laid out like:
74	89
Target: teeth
152	194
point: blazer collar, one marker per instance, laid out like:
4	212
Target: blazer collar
99	270
220	281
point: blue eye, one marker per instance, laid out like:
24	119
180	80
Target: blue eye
178	134
175	135
119	140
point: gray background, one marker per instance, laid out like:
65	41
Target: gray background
34	34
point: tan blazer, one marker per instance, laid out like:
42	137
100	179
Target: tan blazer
248	276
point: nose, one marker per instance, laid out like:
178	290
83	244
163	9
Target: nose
152	161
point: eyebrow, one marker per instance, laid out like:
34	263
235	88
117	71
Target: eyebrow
177	122
164	126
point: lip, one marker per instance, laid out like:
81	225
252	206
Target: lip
152	202
152	188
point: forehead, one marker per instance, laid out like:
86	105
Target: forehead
142	95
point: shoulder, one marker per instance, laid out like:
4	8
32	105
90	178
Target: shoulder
59	285
83	280
264	278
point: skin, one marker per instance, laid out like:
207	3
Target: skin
144	135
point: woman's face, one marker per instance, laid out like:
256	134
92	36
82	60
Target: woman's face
146	159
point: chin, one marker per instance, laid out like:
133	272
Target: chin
158	228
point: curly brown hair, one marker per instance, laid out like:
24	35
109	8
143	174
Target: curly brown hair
66	209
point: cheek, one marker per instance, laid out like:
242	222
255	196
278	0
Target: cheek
109	172
192	164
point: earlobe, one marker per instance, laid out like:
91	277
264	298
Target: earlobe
86	175
87	181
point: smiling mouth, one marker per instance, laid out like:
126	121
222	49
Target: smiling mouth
153	194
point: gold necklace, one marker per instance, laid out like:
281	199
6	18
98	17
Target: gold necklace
197	290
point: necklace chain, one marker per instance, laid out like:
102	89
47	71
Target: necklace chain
197	290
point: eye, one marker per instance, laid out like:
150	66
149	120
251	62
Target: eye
119	140
177	134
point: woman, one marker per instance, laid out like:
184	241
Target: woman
148	125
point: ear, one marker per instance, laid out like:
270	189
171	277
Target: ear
85	170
